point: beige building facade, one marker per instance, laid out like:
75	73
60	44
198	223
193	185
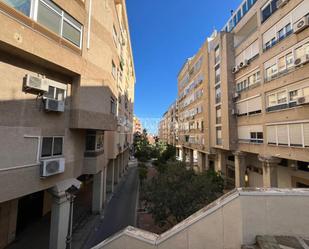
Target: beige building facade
66	108
256	108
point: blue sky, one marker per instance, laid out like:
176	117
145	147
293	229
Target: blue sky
164	33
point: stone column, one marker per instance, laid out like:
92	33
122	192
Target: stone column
113	174
191	158
116	171
220	163
206	158
201	161
270	174
60	213
184	154
240	169
99	191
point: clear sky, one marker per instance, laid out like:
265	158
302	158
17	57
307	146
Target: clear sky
164	33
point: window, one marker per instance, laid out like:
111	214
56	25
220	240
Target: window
244	8
218	115
23	6
250	106
115	36
56	93
52	146
217	54
113	106
218	94
58	21
114	70
277	101
269	9
271	72
256	137
94	141
219	135
217	74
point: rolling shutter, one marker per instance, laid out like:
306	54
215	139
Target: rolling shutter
301	10
306	134
255	104
282	133
271	135
242	107
244	132
269	34
295	135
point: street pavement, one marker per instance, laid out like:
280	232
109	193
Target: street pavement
120	212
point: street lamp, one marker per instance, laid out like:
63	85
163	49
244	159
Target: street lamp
70	195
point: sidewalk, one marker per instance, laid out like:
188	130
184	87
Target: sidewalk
91	224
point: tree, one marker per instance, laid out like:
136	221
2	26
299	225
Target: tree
177	193
142	172
141	146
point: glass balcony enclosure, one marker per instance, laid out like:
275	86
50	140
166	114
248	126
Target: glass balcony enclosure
51	16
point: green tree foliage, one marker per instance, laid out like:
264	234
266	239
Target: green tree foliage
142	172
141	146
177	193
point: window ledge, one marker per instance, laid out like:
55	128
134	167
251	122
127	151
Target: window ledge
285	109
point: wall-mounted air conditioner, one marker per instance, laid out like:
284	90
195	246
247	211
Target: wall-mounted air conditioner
51	167
54	105
281	3
236	95
34	84
243	64
298	62
303	100
235	69
301	24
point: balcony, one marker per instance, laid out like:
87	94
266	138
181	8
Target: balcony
94	162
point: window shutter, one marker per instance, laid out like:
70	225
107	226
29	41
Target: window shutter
306	134
269	34
255	104
256	128
255	48
301	10
244	132
283	22
282	132
271	135
295	134
242	107
270	63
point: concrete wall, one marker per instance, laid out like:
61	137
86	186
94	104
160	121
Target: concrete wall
230	222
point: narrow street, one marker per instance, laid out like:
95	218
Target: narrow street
120	212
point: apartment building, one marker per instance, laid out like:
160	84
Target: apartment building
66	109
168	125
193	108
137	125
258	82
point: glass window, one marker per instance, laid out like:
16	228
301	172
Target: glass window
288	29
23	6
47	146
306	91
272	100
60	94
266	13
90	142
219	135
282	98
239	15
244	8
289	60
306	48
294	95
49	17
281	34
281	64
299	52
51	92
58	143
70	33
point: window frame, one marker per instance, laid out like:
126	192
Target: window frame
52	151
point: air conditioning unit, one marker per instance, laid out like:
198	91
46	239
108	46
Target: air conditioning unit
281	3
301	24
51	167
33	84
235	69
303	100
54	105
243	64
236	95
298	62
